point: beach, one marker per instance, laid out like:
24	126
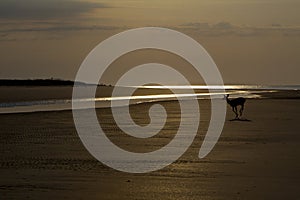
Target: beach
149	100
42	157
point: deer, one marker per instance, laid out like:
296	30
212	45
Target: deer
234	103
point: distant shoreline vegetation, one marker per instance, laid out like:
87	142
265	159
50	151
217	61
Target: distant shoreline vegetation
42	82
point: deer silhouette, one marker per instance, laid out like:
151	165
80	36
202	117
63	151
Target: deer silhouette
234	103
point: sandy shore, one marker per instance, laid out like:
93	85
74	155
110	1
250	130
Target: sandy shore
43	158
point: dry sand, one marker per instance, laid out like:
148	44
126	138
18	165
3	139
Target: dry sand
43	158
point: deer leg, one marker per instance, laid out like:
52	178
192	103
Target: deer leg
236	113
241	110
234	109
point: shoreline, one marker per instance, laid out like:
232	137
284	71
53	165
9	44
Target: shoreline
104	105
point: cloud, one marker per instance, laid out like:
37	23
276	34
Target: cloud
49	32
223	25
56	30
59	28
45	9
226	28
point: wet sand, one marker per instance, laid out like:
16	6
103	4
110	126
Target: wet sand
43	158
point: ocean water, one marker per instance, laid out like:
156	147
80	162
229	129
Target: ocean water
246	91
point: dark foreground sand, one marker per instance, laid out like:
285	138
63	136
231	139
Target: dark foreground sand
43	158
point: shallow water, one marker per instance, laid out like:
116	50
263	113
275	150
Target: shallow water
46	103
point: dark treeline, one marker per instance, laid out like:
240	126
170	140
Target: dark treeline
38	82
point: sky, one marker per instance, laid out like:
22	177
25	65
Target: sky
251	41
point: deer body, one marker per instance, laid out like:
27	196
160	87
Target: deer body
234	103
